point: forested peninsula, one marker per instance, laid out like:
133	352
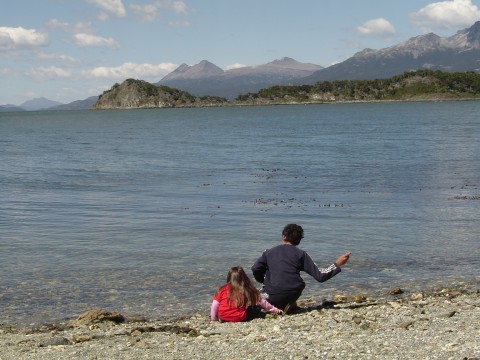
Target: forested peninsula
421	85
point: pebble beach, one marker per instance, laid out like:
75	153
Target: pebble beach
439	324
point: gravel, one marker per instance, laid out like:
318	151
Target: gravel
444	324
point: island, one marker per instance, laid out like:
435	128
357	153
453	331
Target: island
420	85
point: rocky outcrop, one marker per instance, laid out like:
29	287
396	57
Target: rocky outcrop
138	94
96	316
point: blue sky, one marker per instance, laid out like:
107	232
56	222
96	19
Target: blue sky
67	50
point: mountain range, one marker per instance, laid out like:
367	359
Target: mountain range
457	53
206	78
42	103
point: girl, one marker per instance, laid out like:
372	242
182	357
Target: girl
231	301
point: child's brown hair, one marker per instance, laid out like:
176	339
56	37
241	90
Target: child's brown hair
242	292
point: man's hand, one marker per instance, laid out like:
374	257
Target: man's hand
342	259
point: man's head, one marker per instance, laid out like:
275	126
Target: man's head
292	233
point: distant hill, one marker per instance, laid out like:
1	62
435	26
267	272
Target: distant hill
39	104
420	85
85	104
10	108
206	78
139	94
460	52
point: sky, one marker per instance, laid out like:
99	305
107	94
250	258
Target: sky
67	50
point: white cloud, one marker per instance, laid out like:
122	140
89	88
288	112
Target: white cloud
146	12
6	42
110	7
55	57
132	70
451	14
4	72
57	24
21	38
235	66
179	23
80	27
51	72
88	40
178	6
376	27
127	70
149	12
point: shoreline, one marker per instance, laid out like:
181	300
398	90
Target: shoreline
286	103
440	324
375	101
311	296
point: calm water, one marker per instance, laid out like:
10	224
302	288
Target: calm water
144	211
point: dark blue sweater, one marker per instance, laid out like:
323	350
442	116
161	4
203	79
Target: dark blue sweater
279	269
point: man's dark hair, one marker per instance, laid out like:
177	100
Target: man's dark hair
293	233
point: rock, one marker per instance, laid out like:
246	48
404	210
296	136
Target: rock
416	297
395	291
357	319
139	94
395	305
365	326
359	298
448	314
405	325
95	316
81	338
135	333
213	332
55	341
255	338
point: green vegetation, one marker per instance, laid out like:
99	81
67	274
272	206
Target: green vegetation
137	94
178	96
415	85
410	86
